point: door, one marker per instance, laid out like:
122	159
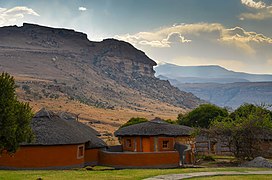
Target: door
146	144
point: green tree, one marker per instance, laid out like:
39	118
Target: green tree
15	117
202	116
134	121
244	131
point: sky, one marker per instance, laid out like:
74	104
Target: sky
235	34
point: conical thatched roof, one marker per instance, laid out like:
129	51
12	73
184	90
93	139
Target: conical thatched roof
154	127
50	129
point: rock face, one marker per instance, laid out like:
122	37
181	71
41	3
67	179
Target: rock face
60	63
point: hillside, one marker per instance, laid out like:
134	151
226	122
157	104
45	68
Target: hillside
207	74
218	85
231	94
105	82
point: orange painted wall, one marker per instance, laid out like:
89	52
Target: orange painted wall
91	156
139	145
124	143
146	144
170	144
42	157
139	159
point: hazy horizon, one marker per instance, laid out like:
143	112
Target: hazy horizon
234	34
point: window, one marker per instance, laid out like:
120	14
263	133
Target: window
165	144
128	143
80	152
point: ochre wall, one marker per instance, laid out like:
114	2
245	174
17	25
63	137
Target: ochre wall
170	144
125	147
139	159
91	156
146	144
42	157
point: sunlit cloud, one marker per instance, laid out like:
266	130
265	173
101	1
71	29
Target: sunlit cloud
253	4
82	9
269	62
10	16
164	37
262	11
191	33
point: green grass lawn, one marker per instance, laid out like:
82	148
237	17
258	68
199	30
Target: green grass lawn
100	173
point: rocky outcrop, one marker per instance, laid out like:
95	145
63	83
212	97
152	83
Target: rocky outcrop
121	58
106	74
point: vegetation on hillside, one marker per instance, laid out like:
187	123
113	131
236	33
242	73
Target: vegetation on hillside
202	116
134	120
15	117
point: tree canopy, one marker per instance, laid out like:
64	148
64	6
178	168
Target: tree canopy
244	130
134	120
202	116
15	117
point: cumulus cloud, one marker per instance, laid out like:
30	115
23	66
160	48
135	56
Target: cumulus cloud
262	11
82	9
193	33
166	36
9	16
253	4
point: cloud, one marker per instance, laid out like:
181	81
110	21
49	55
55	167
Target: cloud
167	36
244	39
262	11
82	9
10	16
253	4
204	33
269	62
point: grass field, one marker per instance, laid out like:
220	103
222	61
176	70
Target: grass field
127	174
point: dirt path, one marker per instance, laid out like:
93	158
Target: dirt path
204	174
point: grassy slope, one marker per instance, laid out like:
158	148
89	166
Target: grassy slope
126	174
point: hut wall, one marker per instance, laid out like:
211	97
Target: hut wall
168	159
44	157
91	157
170	146
132	144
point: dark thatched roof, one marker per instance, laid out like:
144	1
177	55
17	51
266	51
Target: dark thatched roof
51	129
154	127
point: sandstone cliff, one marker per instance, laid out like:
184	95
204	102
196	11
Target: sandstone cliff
62	65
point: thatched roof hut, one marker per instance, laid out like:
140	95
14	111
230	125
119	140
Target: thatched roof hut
51	129
155	127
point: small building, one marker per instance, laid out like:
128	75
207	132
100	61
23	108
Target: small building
151	144
207	146
60	143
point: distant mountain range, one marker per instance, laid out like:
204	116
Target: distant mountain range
218	85
207	74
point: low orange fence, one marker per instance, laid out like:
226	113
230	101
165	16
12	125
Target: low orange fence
168	159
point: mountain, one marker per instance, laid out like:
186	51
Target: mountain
219	85
105	83
206	74
231	94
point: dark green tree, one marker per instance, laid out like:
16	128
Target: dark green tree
244	131
202	116
245	110
15	117
134	121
